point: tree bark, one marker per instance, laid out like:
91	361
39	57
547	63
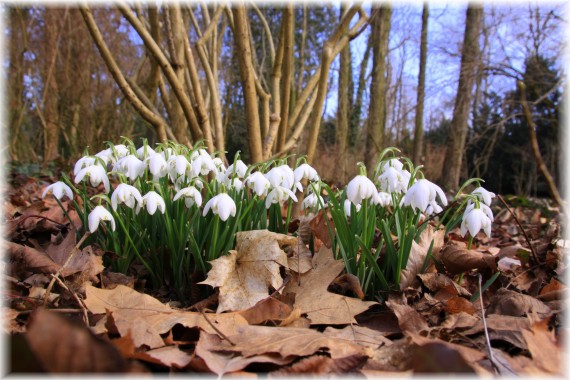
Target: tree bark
50	100
381	23
247	75
287	76
419	126
459	123
344	98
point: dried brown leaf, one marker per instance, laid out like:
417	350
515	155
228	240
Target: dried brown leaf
322	365
418	254
320	305
169	356
501	327
347	284
508	302
269	309
543	347
301	261
320	228
141	332
458	260
459	304
408	318
437	357
221	361
84	260
436	281
360	335
64	347
245	276
32	258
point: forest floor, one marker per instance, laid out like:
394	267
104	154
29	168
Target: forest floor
64	312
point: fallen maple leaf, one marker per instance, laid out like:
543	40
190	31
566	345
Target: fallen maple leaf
268	309
32	258
418	254
437	281
313	298
322	365
64	347
459	260
244	276
543	348
408	318
508	302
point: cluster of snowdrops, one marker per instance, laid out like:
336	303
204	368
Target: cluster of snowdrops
174	209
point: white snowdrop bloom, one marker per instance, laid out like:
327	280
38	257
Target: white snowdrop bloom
276	176
483	207
289	178
126	194
240	169
423	193
83	162
234	183
279	194
152	200
157	165
167	153
393	180
347	204
222	205
474	220
393	163
306	171
130	166
484	196
433	208
381	198
258	183
122	151
145	151
99	214
200	152
96	175
58	189
191	196
106	155
312	201
178	165
219	164
202	165
360	188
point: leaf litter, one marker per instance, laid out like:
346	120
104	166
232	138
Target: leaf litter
278	308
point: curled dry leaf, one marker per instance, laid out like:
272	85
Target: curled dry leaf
313	298
268	309
126	303
170	356
83	260
64	347
408	318
322	365
301	259
360	335
543	347
508	302
245	276
320	227
458	260
436	281
347	284
418	254
32	258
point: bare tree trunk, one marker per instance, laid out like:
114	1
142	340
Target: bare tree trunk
16	76
419	127
344	97
459	124
381	23
50	101
247	75
287	76
356	113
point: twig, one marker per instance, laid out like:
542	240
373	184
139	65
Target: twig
55	277
534	255
81	305
217	330
41	217
491	356
23	312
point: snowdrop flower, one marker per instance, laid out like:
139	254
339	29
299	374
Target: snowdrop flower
483	195
279	194
433	208
305	171
219	164
83	162
393	180
126	194
360	188
203	164
152	200
99	214
58	189
197	153
96	175
311	201
130	166
167	153
422	194
145	151
240	169
178	165
122	151
106	155
347	207
475	219
258	182
157	165
191	196
234	183
381	198
393	163
222	205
